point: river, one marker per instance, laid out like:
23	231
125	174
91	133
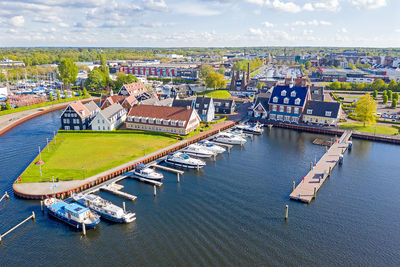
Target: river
230	213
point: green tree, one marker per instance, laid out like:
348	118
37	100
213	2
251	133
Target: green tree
260	85
389	94
51	97
351	64
122	79
392	85
95	80
378	84
394	103
58	95
80	92
385	98
205	70
222	70
396	96
65	94
105	69
366	109
7	106
375	94
307	65
335	86
215	80
85	92
68	71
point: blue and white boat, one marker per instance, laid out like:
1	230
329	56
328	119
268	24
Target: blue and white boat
72	214
104	208
212	147
251	128
182	160
148	173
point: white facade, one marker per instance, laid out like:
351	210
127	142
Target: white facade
101	123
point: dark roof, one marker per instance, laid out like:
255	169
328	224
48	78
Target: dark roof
317	93
319	108
263	101
301	93
183	103
220	100
200	103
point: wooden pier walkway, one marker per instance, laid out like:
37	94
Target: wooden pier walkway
156	166
312	182
115	189
144	180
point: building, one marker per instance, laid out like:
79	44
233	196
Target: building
317	93
324	113
287	102
260	108
224	106
172	70
126	102
78	116
109	118
135	89
175	120
204	106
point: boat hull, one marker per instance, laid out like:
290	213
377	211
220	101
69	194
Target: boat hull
183	165
147	177
198	155
75	224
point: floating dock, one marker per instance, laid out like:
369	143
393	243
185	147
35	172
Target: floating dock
148	181
168	169
115	189
312	182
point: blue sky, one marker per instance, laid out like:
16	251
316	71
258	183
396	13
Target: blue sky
166	23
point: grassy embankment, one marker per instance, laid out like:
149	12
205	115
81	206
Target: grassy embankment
74	156
378	129
222	94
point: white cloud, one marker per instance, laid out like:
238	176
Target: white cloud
17	21
312	23
342	30
308	7
156	5
47	19
268	24
327	5
195	10
369	4
256	32
279	5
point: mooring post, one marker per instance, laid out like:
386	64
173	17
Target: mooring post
123	206
0	238
155	190
41	205
294	185
287	212
326	149
330	170
198	167
83	228
7	196
177	175
315	192
33	215
311	165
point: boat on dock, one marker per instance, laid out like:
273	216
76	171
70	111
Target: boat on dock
256	129
148	173
230	138
104	208
183	160
212	147
73	214
198	151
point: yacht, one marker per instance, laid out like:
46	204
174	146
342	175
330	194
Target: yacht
104	208
212	147
72	214
146	172
183	160
199	151
230	138
251	128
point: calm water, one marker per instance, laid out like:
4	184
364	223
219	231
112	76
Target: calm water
231	213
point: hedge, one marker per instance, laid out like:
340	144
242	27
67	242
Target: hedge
123	132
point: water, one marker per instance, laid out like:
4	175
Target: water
229	214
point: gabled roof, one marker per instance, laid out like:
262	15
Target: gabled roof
80	109
319	108
263	101
301	93
91	106
112	110
134	86
183	103
112	99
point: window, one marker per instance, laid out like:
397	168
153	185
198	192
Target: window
98	121
274	107
296	110
297	101
144	120
286	100
289	109
98	128
158	121
328	113
103	121
104	128
275	99
181	123
272	117
309	111
197	105
293	94
76	128
205	105
281	109
137	119
204	112
173	123
227	105
283	93
67	128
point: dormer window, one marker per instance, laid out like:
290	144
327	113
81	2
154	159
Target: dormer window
309	111
286	100
297	101
137	119
283	93
328	113
197	105
293	94
275	99
181	123
158	121
166	122
144	120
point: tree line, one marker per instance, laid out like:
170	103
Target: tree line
378	85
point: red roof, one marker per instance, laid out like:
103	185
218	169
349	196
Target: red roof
131	99
80	109
134	86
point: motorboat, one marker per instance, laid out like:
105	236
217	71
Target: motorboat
199	151
230	138
104	208
73	214
212	147
183	160
146	172
251	128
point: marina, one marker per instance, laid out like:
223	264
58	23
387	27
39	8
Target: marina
115	189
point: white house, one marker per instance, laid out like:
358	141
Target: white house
109	118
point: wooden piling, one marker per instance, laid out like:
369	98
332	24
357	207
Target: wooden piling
41	205
287	212
294	185
123	206
315	192
177	175
155	190
83	228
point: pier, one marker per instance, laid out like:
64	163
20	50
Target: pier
164	168
115	189
144	180
18	225
312	182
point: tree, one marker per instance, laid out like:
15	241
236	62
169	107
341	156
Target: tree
375	94
58	95
105	70
335	86
80	92
215	80
394	103
389	94
68	71
122	79
392	85
222	70
260	85
51	97
378	84
205	70
307	65
351	64
65	94
95	80
7	106
385	98
85	93
396	96
366	109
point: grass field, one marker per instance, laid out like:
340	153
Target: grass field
95	152
216	94
380	129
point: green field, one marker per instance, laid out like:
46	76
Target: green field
216	94
378	129
78	155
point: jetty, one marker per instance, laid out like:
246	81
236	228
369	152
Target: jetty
115	189
168	169
144	180
307	189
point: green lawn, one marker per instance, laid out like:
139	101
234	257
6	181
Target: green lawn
216	94
96	152
380	129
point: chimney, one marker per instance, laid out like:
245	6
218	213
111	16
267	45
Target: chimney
248	71
233	80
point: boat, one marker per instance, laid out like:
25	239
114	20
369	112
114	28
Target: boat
251	128
104	208
183	160
73	214
212	147
199	151
230	138
146	172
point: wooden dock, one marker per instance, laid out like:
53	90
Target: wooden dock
148	181
156	166
115	189
312	182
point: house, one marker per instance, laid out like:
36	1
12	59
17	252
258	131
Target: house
287	102
324	113
135	89
224	106
175	120
317	93
109	118
204	106
126	102
78	116
260	107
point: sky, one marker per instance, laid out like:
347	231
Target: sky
200	23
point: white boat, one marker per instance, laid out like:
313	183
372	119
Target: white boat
230	138
212	147
104	208
148	173
182	160
253	129
197	150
